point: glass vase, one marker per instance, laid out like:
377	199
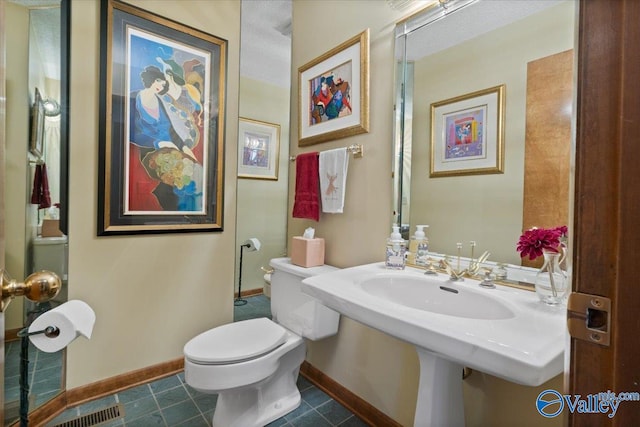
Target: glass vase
551	281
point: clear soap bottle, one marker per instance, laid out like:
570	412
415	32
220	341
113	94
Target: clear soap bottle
419	246
396	249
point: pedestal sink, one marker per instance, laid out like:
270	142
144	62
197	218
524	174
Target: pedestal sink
442	298
505	332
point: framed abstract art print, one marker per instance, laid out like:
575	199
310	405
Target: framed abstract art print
258	149
162	117
333	92
467	134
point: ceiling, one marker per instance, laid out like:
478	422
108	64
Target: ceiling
265	41
45	34
485	16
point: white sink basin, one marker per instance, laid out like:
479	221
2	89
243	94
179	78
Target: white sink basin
417	292
505	332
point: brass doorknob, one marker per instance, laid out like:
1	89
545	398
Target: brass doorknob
40	286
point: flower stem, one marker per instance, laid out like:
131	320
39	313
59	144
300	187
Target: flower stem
552	282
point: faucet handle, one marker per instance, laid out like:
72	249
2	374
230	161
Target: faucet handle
453	275
430	269
487	282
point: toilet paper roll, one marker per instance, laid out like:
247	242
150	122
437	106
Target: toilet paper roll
73	318
252	244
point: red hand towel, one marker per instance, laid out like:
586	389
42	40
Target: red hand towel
45	198
307	198
40	194
37	184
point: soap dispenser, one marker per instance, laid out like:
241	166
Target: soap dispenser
396	248
419	246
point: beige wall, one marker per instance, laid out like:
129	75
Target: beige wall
262	204
378	368
375	366
485	208
151	294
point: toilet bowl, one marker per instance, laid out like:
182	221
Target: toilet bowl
253	364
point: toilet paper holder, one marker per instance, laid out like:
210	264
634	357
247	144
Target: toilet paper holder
40	286
49	331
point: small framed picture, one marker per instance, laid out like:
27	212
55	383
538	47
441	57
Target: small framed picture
37	126
258	149
467	134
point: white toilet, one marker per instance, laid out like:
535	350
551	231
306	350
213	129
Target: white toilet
253	364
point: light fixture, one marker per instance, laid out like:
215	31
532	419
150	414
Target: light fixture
252	245
51	107
434	10
399	4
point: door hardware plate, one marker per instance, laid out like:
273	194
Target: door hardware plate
589	318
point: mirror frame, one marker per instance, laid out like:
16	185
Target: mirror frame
65	60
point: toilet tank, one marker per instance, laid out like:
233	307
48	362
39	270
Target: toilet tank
50	253
296	311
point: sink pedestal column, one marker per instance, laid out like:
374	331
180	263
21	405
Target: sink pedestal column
440	401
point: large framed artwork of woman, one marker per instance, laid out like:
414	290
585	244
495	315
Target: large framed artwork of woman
162	100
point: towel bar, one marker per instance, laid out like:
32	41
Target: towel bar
356	149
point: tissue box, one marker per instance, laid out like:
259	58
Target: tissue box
51	228
307	252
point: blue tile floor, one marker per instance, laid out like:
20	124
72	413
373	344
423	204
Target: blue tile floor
44	372
256	306
170	402
44	377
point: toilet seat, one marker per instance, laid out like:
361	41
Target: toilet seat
235	342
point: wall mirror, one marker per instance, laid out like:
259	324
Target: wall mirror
448	54
37	40
265	69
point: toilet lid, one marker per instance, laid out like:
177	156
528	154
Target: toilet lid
235	342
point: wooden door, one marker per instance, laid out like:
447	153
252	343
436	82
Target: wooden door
606	241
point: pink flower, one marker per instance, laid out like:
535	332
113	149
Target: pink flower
536	240
563	230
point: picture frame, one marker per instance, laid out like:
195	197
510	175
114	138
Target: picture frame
333	93
467	134
36	141
258	149
162	124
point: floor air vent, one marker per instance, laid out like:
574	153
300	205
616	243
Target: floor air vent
96	418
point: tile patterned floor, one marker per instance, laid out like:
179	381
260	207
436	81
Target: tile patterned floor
44	377
170	402
44	370
47	366
256	306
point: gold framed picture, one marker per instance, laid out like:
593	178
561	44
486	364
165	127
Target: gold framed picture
333	91
467	134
